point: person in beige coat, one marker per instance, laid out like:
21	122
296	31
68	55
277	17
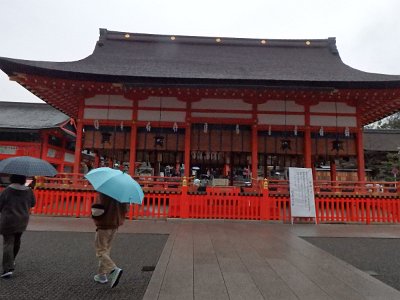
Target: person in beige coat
108	215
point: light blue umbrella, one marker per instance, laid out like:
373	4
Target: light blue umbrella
116	184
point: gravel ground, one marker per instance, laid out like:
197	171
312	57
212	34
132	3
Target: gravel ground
61	265
379	257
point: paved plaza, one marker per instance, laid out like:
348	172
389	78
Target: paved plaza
203	259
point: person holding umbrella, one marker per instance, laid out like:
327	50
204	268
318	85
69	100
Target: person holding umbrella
116	189
108	214
15	203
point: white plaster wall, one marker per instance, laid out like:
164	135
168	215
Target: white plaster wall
165	102
221	115
109	100
169	116
272	119
107	114
329	107
331	121
279	105
221	104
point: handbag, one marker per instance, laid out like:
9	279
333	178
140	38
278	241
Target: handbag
98	210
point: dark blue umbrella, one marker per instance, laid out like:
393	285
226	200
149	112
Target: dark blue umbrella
27	166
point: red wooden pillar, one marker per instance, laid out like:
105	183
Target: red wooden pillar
187	149
307	138
45	145
360	148
78	143
132	151
133	138
254	153
62	164
360	155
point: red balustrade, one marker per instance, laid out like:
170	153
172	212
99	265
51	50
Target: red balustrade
336	202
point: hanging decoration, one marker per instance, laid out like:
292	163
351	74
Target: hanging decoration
205	128
159	138
207	155
194	155
295	130
122	126
286	145
337	145
96	124
347	132
105	137
148	127
321	131
158	141
175	127
269	130
285	142
214	156
237	130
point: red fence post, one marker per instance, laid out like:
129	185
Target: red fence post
264	205
184	199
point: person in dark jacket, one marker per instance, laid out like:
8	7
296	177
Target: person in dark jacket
108	214
15	204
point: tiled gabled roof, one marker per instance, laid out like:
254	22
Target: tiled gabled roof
142	59
387	140
22	115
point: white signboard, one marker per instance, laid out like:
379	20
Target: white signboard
302	203
8	150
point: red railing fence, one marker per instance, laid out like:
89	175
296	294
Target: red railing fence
71	195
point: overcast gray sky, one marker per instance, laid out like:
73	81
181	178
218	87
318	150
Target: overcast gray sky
367	31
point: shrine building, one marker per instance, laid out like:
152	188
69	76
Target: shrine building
237	109
37	130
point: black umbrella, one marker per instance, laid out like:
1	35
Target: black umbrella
27	166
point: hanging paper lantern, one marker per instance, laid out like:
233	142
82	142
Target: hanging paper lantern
175	127
105	137
237	129
285	145
158	141
337	145
148	126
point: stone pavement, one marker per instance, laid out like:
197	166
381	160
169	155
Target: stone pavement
228	260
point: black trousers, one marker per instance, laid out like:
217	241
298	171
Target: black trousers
11	245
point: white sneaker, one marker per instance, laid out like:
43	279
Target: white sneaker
6	274
100	278
115	275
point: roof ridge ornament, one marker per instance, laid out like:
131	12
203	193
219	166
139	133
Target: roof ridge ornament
332	45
